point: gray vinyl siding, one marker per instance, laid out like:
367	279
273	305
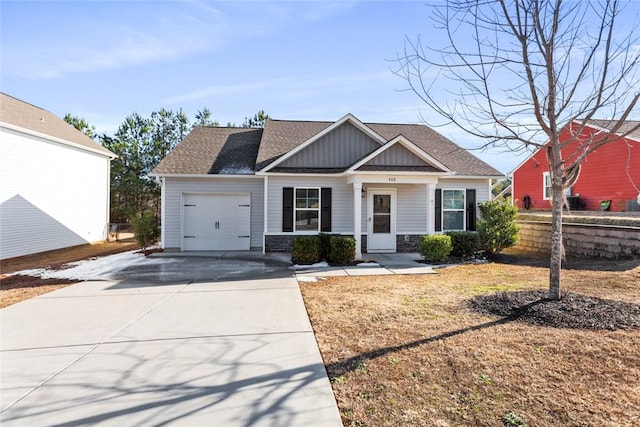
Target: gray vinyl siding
339	148
482	187
341	200
411	208
397	155
175	187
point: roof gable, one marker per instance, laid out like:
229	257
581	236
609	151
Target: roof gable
338	148
349	136
590	127
399	154
37	121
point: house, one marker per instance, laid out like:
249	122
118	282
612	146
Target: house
384	184
611	173
54	182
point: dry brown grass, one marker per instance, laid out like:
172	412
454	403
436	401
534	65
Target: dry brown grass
14	289
405	350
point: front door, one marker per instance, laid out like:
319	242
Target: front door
381	220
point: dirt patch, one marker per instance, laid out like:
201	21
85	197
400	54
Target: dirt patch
16	288
572	311
407	350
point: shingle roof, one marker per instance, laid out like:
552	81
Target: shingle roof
282	136
22	114
626	126
209	150
213	150
454	157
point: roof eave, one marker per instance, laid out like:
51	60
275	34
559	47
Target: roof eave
105	153
199	175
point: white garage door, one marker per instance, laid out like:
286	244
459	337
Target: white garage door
216	222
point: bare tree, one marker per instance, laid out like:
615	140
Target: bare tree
517	72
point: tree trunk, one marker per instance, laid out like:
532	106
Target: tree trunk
557	250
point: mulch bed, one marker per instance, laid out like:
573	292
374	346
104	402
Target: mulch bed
21	281
574	310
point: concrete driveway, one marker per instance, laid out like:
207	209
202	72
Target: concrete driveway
235	349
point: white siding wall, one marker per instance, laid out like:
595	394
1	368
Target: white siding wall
51	195
172	209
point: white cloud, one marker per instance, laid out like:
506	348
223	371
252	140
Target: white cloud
88	45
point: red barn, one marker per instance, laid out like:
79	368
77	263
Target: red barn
611	173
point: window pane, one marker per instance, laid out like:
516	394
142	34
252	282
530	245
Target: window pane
453	199
381	223
453	220
307	198
307	220
382	203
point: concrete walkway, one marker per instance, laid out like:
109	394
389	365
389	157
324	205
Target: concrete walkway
372	265
234	353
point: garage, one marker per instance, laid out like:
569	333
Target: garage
216	222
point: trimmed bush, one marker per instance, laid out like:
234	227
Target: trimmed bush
497	225
464	243
325	246
306	250
343	250
435	247
145	228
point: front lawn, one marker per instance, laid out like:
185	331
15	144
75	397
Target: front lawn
408	350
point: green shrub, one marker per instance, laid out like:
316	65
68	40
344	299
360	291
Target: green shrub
497	225
435	247
306	250
325	246
464	243
343	250
145	228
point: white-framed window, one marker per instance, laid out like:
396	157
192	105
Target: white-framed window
307	209
453	203
546	186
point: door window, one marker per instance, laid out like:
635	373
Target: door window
382	213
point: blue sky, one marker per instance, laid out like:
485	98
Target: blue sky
309	60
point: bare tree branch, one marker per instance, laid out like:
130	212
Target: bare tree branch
515	74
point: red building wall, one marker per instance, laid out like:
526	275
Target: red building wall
603	175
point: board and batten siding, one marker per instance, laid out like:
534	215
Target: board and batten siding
339	148
51	195
341	200
175	187
396	156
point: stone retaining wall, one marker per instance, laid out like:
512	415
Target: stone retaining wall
284	243
605	241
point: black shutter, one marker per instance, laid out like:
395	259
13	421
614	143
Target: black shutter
287	209
471	210
325	209
438	210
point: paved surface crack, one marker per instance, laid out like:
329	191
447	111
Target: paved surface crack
91	350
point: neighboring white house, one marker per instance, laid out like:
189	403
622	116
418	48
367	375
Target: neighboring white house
54	182
384	184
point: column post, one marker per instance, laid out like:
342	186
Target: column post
431	203
357	217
